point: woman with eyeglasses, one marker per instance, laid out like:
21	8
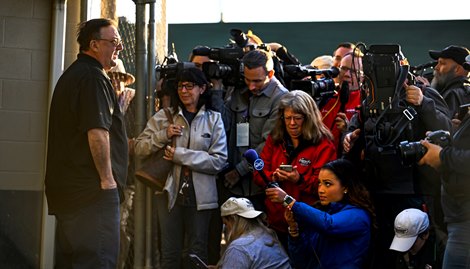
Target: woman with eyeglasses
184	207
298	146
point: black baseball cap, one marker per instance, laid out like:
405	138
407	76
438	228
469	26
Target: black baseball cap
455	53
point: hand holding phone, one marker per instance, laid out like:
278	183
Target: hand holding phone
197	262
286	167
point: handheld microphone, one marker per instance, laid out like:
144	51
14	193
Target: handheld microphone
258	164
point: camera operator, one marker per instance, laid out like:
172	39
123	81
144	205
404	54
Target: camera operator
249	115
372	142
341	50
450	77
452	163
339	109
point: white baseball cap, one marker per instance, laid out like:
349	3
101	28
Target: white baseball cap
408	225
239	206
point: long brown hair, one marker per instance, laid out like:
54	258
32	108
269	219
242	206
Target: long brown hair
313	128
357	193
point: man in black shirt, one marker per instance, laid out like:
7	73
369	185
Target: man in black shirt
87	153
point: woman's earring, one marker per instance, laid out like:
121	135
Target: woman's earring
345	192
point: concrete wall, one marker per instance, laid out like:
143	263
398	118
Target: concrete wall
24	69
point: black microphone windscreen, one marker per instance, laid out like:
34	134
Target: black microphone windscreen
334	71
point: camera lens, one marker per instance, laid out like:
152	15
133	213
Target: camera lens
411	152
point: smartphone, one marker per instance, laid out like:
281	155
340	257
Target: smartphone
286	167
197	262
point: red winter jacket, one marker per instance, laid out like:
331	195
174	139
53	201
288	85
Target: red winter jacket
331	109
308	162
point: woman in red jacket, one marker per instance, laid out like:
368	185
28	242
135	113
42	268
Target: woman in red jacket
299	139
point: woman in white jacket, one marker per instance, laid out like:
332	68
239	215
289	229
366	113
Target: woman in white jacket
184	206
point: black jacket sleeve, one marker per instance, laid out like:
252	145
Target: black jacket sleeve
434	111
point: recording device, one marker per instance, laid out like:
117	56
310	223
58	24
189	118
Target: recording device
304	78
286	167
227	67
425	70
239	37
197	262
172	70
384	111
382	69
412	152
241	40
227	63
258	164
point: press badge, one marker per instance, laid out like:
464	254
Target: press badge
243	134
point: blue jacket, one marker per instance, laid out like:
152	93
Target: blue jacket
339	236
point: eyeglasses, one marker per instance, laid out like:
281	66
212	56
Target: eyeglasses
345	68
188	85
296	119
115	42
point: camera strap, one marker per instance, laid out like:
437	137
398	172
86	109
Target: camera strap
407	115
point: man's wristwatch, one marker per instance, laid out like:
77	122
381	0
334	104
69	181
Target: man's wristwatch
287	200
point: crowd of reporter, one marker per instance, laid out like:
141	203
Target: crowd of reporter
347	179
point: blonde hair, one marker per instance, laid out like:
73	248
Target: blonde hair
244	226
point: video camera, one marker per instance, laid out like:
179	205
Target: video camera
384	112
227	67
170	73
227	63
412	152
304	78
383	77
425	70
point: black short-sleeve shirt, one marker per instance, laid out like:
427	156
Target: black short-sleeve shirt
83	99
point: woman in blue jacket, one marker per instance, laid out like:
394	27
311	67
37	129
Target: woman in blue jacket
336	232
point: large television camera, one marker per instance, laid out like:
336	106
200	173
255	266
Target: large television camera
382	69
226	63
170	73
318	83
226	66
384	110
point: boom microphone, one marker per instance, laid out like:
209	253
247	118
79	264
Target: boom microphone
258	164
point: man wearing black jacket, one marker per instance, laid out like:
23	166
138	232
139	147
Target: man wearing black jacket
395	186
451	78
453	163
